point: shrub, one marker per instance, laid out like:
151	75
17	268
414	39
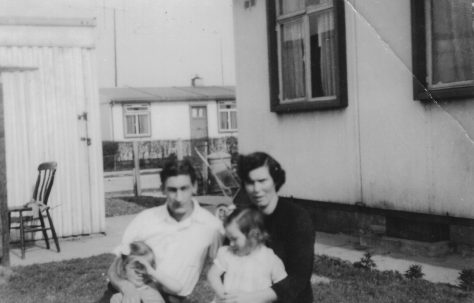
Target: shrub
415	271
366	262
109	148
466	279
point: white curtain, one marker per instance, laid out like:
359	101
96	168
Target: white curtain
292	52
452	41
327	44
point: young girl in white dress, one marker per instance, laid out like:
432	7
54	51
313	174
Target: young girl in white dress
137	265
245	265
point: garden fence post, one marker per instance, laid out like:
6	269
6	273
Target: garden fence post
179	151
4	224
136	169
204	169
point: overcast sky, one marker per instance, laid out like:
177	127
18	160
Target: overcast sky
166	42
159	42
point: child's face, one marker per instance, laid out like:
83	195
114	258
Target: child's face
238	241
135	273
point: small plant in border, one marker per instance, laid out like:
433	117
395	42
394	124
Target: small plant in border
413	272
466	279
366	262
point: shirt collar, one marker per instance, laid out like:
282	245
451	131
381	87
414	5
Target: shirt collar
196	215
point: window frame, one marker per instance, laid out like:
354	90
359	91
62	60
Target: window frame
147	111
307	103
421	90
228	111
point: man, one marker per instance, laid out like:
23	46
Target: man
180	233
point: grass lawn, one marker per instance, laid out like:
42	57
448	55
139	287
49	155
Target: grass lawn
83	280
119	206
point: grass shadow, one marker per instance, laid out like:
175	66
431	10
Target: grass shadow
128	205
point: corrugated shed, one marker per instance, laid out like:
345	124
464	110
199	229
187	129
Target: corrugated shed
160	94
46	87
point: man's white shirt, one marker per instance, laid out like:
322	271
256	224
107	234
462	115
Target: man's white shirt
180	247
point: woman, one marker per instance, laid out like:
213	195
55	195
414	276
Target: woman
290	229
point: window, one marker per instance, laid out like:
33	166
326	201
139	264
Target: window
443	49
137	120
307	54
198	112
227	116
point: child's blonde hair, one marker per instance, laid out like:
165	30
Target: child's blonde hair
250	222
137	248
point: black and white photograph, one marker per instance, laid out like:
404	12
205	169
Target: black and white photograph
237	151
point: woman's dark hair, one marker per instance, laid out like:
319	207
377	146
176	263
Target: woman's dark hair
252	161
250	222
173	168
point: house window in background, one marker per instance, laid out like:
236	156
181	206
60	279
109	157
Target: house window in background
227	116
137	120
307	54
443	49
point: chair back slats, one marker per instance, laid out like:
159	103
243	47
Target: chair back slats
44	182
28	217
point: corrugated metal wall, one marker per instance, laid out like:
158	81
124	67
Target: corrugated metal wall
45	89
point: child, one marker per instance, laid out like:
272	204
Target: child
137	265
247	264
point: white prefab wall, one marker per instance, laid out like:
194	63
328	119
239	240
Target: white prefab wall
46	86
169	120
385	149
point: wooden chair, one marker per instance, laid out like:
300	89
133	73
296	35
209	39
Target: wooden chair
31	217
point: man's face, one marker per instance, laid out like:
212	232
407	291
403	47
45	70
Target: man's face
179	192
261	190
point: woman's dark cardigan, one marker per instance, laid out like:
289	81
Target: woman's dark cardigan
292	238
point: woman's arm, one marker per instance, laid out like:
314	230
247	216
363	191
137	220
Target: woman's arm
129	291
214	277
299	247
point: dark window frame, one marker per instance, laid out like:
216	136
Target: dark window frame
341	66
421	89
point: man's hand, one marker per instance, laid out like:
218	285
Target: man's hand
144	262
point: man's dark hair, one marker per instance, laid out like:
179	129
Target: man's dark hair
173	168
252	161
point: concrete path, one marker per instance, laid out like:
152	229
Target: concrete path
436	269
75	247
443	270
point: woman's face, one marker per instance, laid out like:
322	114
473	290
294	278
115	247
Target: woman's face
261	190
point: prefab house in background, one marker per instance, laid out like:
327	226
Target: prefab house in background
160	117
51	113
369	106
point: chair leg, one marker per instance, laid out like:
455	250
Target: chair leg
53	231
22	236
43	230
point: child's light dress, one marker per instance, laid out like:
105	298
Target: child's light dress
147	295
256	271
